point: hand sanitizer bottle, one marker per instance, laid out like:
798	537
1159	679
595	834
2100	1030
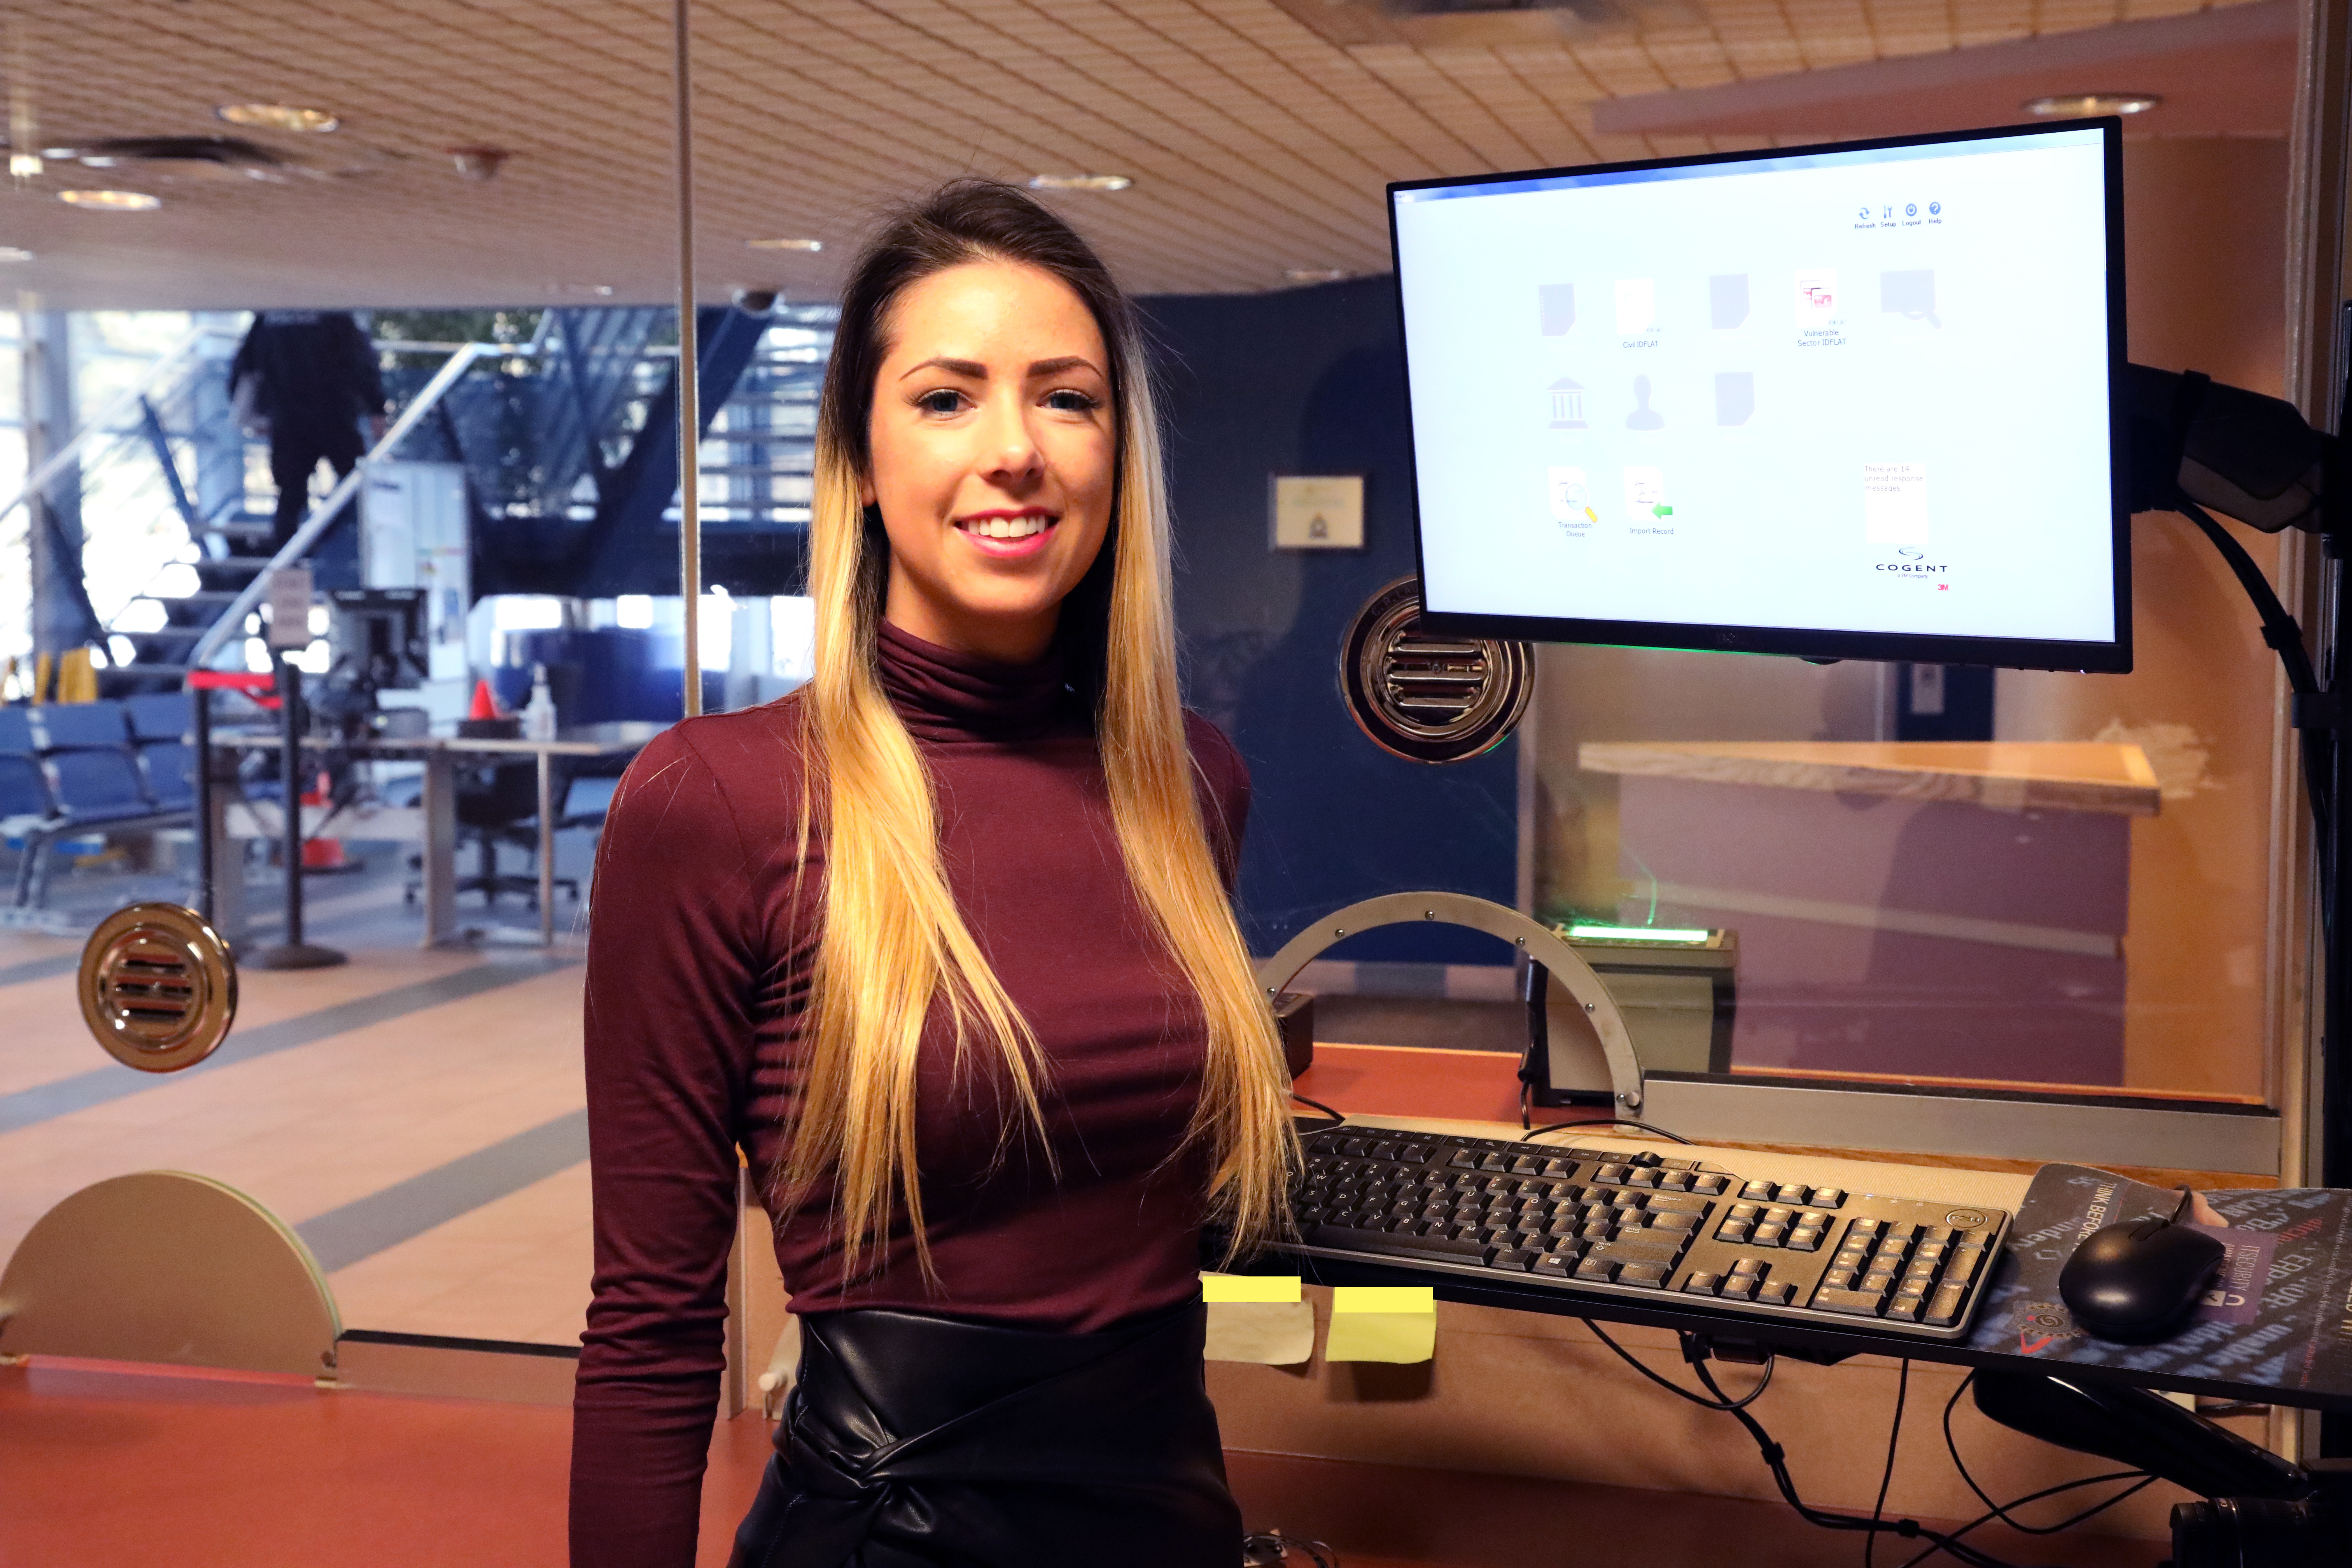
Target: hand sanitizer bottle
539	715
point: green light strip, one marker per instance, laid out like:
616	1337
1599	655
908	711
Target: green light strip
1633	934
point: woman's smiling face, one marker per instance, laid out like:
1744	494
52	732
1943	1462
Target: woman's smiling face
992	450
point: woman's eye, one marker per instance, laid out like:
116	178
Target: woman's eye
1069	400
946	400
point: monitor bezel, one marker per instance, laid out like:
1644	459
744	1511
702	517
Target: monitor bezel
1824	643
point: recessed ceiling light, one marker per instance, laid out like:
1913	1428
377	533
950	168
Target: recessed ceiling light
24	166
112	200
15	252
2080	105
785	244
277	116
1316	274
1079	181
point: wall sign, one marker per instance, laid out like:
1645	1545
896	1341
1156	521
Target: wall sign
1319	511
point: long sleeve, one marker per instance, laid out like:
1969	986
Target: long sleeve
672	962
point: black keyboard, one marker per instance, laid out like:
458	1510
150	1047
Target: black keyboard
1617	1223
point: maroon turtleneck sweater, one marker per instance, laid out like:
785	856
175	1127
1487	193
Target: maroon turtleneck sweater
698	962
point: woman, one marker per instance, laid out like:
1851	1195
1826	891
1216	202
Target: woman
942	941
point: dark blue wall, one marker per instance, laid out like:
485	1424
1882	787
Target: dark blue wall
1311	381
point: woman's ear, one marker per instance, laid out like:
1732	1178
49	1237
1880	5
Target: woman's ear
866	493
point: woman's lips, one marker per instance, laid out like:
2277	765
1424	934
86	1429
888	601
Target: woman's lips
1007	536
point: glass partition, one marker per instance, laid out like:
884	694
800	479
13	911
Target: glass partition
390	297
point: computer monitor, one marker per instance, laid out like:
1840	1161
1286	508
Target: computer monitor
1845	402
376	637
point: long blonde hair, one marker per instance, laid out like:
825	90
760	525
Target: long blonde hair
894	943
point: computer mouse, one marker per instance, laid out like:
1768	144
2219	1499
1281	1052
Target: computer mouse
2137	1281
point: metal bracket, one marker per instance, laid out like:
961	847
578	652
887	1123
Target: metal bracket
1545	947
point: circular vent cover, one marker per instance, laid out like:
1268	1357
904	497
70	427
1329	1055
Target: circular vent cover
1425	697
158	987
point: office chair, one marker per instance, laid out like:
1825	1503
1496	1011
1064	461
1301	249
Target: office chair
499	803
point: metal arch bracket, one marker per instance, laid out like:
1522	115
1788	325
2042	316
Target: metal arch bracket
1545	947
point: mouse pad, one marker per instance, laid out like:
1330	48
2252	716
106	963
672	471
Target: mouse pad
2277	1316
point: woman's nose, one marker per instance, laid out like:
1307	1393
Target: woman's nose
1011	446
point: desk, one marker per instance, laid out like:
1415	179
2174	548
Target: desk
432	823
1996	1342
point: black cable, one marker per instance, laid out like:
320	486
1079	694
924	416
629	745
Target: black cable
2001	1511
2145	1481
2284	635
1720	1402
1886	1476
1337	1118
1604	1121
1776	1461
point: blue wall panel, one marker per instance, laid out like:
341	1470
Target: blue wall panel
1311	381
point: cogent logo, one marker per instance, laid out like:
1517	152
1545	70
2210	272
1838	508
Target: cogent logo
1913	561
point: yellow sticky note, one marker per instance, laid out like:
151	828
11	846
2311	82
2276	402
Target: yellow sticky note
1249	1287
1382	1322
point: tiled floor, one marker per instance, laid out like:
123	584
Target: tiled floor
229	1472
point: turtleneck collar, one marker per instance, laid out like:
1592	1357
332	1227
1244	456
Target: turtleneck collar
942	694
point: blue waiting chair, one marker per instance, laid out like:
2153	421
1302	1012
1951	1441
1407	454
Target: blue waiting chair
95	781
16	731
160	716
79	726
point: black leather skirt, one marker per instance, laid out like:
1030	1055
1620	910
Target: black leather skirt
912	1441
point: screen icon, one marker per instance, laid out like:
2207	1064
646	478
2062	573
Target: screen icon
1637	307
1817	296
1567	404
1571	499
1645	496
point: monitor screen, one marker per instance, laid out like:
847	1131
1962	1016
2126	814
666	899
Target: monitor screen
1854	401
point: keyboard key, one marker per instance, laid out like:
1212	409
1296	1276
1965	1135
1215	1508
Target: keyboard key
1758	1192
1739	1287
1355	1147
1903	1230
1750	1266
1733	1230
1802	1240
1701	1285
1904	1310
1610	1172
1828	1198
1493	1163
1963	1265
1653	1275
1559	1167
1599	1271
1676	1203
1464	1160
1777	1214
1878	1282
1519	1260
1749	1212
1644	1177
1790	1193
1630	1250
1435	1249
1708	1183
1526	1165
1382	1152
1937	1235
1929	1252
1857	1303
1559	1265
1840	1278
1945	1309
1916	1288
1865	1230
1673	1222
1678	1181
1770	1235
1775	1292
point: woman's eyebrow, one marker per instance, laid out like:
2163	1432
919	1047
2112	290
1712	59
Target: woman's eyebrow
1046	367
970	368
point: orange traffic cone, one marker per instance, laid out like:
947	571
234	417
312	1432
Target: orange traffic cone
486	702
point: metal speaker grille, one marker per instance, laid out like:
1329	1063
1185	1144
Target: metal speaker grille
1425	697
158	987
